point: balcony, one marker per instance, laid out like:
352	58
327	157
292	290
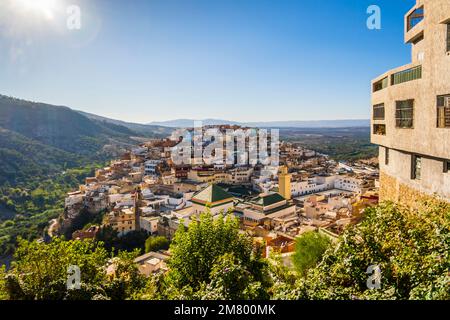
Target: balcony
414	29
415	18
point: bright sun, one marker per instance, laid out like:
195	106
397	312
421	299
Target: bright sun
44	7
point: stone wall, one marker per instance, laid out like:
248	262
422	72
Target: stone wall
393	190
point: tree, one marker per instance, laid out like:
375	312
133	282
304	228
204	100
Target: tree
40	271
156	243
230	280
31	210
127	242
195	250
3	292
309	249
83	219
132	240
108	236
284	279
202	257
409	246
126	279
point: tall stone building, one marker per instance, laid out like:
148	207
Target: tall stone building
411	110
284	183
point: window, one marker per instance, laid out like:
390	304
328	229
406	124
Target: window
446	166
378	112
407	75
415	18
416	168
386	156
448	37
380	85
443	111
379	129
404	114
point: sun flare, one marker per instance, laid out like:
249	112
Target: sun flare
44	7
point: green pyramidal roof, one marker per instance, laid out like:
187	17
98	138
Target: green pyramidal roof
268	200
211	194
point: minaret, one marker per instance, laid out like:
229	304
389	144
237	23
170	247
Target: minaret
137	211
284	183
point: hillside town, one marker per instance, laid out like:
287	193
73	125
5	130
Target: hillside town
145	190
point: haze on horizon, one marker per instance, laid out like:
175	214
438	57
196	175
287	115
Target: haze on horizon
245	61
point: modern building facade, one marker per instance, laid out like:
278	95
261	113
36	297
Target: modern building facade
411	110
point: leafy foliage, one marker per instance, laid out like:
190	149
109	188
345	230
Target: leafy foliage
212	259
3	293
208	259
128	242
156	243
230	280
410	247
34	204
40	271
284	280
126	279
82	221
309	249
195	250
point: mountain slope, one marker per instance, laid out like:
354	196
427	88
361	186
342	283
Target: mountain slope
184	123
187	123
145	129
59	127
38	139
46	151
23	157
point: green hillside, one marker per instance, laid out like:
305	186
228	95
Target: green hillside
60	127
23	158
46	151
38	139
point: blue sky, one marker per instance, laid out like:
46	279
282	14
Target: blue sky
243	60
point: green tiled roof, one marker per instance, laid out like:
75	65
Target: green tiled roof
268	200
211	194
284	206
240	191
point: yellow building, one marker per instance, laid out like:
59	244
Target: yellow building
122	221
284	183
